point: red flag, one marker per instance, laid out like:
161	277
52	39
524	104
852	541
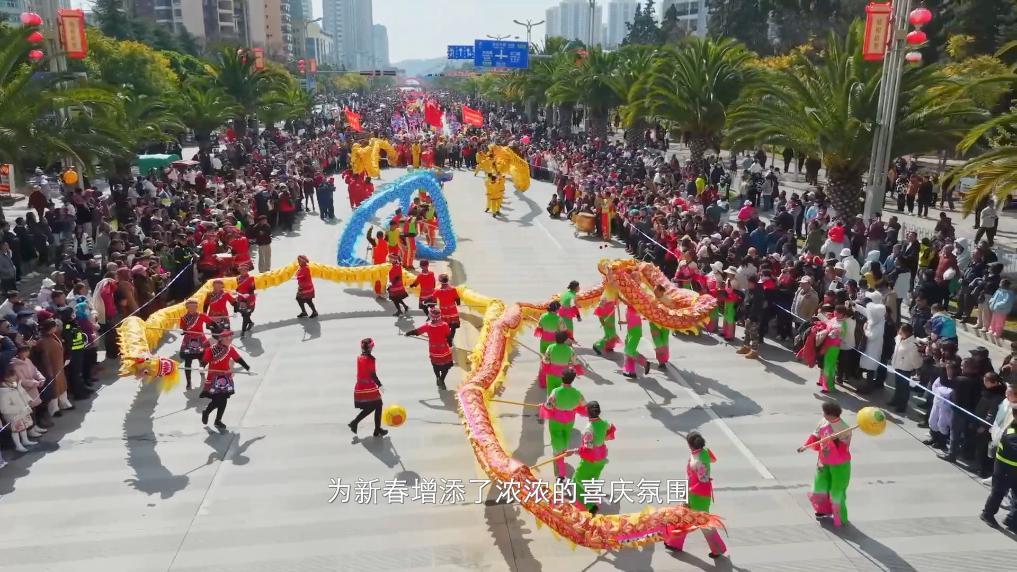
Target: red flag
353	118
432	114
472	117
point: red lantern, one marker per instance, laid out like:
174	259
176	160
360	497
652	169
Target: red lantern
35	55
917	38
31	19
920	16
35	37
913	57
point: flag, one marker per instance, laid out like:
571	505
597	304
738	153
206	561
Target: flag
472	117
432	114
353	119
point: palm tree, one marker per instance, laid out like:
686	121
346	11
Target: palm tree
826	107
203	109
593	82
289	104
234	73
691	87
36	110
634	63
143	119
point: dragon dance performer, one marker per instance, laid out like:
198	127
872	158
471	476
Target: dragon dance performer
605	312
593	453
833	469
548	326
558	357
393	235
379	255
633	334
606	215
438	349
700	494
305	288
215	305
396	288
367	391
219	384
494	187
240	246
192	346
408	236
430	219
659	334
448	302
426	282
560	412
569	310
714	282
246	297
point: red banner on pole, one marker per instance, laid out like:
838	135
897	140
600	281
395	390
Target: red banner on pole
71	28
472	117
259	58
432	114
877	31
312	65
353	119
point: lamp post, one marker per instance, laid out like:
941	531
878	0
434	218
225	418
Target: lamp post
593	10
529	25
499	37
889	95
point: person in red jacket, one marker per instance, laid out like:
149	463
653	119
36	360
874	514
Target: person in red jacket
219	384
246	297
426	282
305	288
396	287
216	305
367	391
448	302
193	342
240	246
439	349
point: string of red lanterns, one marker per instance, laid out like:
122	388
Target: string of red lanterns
31	19
918	17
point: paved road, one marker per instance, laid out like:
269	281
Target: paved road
138	484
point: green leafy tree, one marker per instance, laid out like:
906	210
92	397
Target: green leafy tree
643	29
129	66
233	71
592	81
691	87
743	20
825	106
984	21
204	109
671	28
143	120
112	18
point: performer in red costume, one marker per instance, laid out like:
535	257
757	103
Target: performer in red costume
193	343
305	288
379	255
367	391
426	282
438	346
448	302
240	246
246	297
219	384
215	305
396	288
208	265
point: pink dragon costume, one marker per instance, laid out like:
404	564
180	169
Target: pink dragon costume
833	471
700	493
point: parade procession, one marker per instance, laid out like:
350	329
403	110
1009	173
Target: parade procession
643	290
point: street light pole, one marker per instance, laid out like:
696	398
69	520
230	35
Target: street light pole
529	25
499	37
886	112
593	10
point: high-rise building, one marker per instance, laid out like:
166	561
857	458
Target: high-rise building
380	37
351	25
280	41
576	21
10	11
619	14
320	45
694	15
209	21
552	24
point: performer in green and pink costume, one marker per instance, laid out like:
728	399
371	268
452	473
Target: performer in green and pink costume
834	327
729	295
569	310
547	327
593	453
833	469
700	491
605	312
633	334
659	334
560	412
558	357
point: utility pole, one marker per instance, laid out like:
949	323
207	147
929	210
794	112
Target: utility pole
499	37
593	11
529	25
886	113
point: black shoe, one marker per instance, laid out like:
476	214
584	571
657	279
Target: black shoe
314	314
629	375
397	314
380	432
596	349
924	425
823	515
929	442
58	413
646	368
662	366
948	458
441	386
714	555
204	417
674	549
219	424
189	386
353	427
302	315
594	510
989	520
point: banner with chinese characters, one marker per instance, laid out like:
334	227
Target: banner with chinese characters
877	31
259	59
312	65
6	178
73	39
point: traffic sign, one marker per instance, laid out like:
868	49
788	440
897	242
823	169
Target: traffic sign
460	52
497	54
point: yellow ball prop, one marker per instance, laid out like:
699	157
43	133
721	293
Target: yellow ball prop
394	415
70	177
871	420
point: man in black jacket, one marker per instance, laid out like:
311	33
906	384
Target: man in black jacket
993	393
966	390
1004	473
753	312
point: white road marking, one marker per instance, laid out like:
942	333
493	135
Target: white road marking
549	235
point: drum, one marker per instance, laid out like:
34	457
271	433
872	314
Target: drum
586	222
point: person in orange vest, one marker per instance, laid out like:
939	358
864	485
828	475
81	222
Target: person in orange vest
379	255
448	302
409	237
426	282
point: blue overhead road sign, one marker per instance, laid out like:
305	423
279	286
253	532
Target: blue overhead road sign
495	54
460	52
